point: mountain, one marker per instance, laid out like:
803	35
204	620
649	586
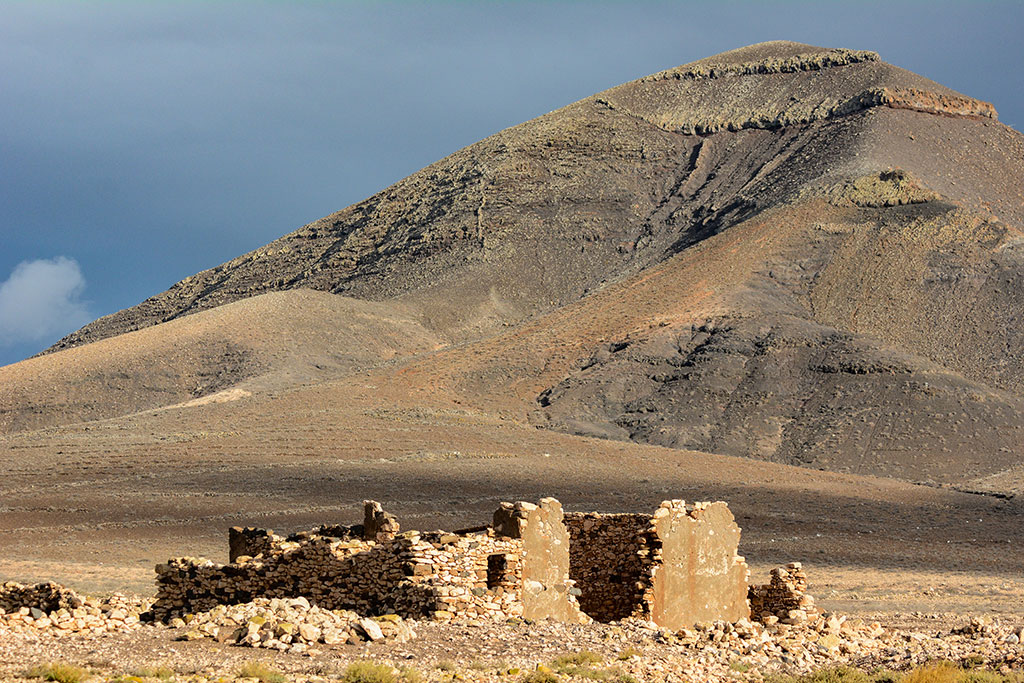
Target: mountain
783	252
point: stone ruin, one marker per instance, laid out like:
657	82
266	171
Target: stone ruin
784	599
676	567
43	597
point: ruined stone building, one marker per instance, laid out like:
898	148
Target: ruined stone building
676	567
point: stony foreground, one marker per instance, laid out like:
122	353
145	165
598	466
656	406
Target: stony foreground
106	640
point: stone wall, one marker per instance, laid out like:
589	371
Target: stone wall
610	562
548	591
698	576
676	567
378	525
414	575
250	541
48	597
784	598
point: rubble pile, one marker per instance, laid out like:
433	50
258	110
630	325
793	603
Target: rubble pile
57	611
831	640
291	625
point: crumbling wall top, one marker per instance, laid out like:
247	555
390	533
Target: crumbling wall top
510	518
378	525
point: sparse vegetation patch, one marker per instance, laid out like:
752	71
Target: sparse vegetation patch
62	672
261	671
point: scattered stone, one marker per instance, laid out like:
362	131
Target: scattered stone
289	625
371	629
50	607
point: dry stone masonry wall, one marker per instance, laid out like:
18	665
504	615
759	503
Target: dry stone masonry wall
784	598
47	597
414	575
610	556
250	542
676	567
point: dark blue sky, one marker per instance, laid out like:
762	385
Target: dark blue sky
145	141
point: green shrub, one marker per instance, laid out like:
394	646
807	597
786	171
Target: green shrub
629	652
932	672
972	661
584	658
935	672
62	672
739	666
261	671
541	676
984	676
161	672
582	665
368	672
410	674
839	674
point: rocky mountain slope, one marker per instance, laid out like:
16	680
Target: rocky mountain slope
784	252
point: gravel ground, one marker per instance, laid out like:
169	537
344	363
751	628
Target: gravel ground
506	651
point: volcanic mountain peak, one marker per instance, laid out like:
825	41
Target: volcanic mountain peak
784	252
537	215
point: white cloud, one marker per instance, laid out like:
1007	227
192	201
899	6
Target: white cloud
40	301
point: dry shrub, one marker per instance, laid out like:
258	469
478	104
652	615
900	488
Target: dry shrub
62	672
261	671
368	672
